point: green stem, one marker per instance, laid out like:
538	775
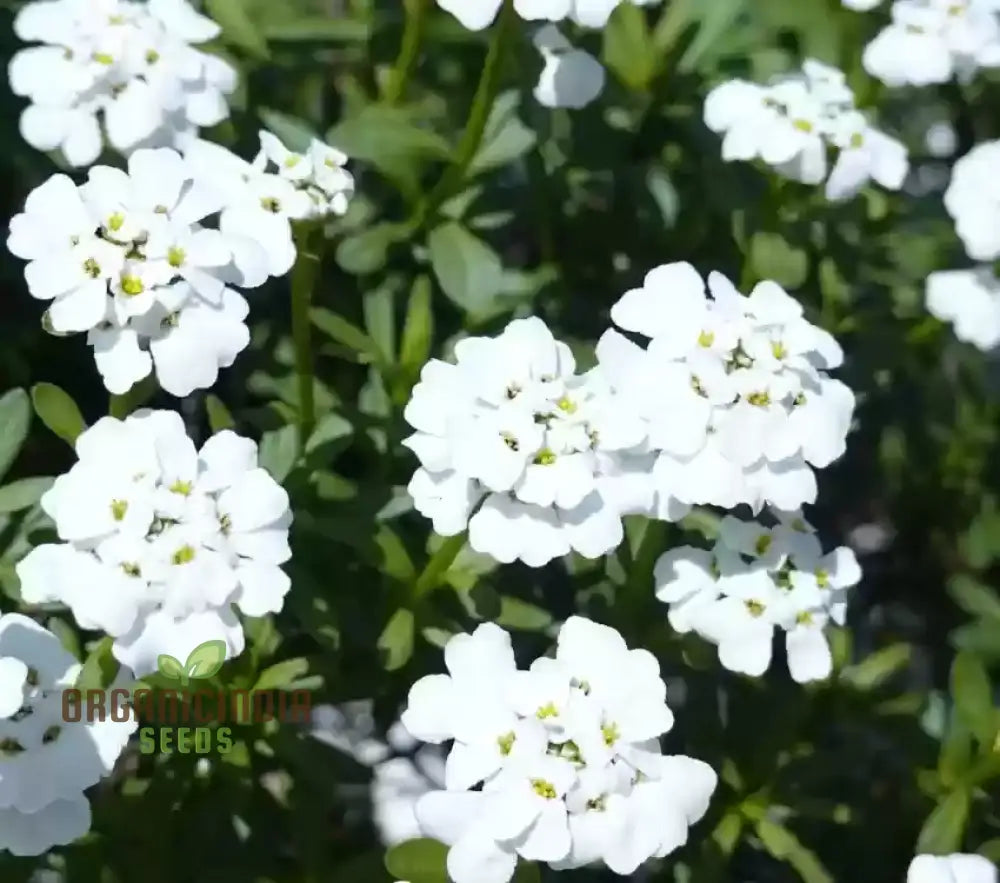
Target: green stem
438	566
413	32
304	275
472	136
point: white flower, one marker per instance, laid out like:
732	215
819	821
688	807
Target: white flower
159	539
973	201
131	65
565	757
542	452
570	77
126	257
934	41
319	173
757	579
46	763
792	123
970	301
955	868
861	5
479	14
733	389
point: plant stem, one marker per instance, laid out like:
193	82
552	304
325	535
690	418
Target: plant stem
304	275
438	566
472	136
416	15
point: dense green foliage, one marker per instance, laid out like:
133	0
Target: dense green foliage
473	208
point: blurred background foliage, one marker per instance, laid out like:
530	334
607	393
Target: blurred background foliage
557	213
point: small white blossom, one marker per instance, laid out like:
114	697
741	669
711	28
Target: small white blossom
159	539
861	5
570	77
754	580
973	201
733	389
537	460
46	763
793	123
128	258
934	41
127	65
565	757
970	301
479	14
955	868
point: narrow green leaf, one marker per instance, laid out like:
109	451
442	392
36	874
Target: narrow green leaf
628	47
278	451
418	861
974	597
944	828
368	251
15	421
23	494
344	332
973	696
505	137
469	271
396	641
238	27
57	410
281	675
418	332
784	845
219	417
876	669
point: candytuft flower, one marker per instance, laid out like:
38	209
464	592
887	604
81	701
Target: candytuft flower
560	763
955	868
159	539
46	763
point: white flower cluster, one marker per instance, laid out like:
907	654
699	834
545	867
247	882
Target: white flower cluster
934	41
131	64
970	298
954	868
754	580
127	258
794	122
536	460
733	389
560	763
159	540
478	14
46	764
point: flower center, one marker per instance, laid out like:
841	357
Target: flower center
132	286
763	543
510	441
181	487
610	732
175	256
506	743
118	509
184	555
116	222
545	457
92	268
755	608
544	789
546	711
706	339
130	568
759	399
270	204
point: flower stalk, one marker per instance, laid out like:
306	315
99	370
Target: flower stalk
304	276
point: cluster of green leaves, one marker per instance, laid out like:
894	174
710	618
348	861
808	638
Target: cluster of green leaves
475	205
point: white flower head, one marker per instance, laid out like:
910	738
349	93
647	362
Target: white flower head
955	868
970	301
544	453
46	762
119	72
159	539
130	258
479	14
564	758
794	123
935	41
757	579
570	77
973	201
733	390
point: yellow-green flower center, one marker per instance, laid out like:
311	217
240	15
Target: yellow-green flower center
706	339
763	543
544	789
184	555
759	399
116	222
545	457
822	578
132	286
103	58
755	608
546	711
506	743
611	733
175	256
181	487
118	509
92	268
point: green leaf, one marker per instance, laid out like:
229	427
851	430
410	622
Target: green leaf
344	332
219	417
294	133
278	452
23	494
784	845
973	696
319	29
238	27
15	421
469	271
396	641
206	660
522	615
505	137
773	258
368	251
944	828
418	332
877	668
100	667
281	675
395	560
170	667
418	861
628	47
973	597
57	410
330	428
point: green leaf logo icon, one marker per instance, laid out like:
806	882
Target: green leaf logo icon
171	668
205	660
